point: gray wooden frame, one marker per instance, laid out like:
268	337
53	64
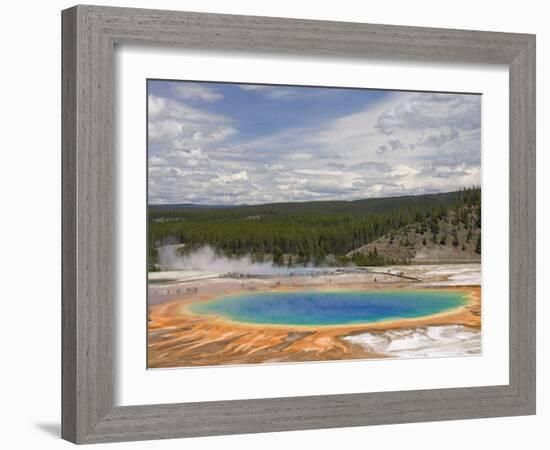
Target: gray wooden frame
89	37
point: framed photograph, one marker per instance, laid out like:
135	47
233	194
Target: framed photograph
268	222
292	223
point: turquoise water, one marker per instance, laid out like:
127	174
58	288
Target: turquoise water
329	307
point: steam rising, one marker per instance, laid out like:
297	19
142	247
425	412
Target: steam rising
206	259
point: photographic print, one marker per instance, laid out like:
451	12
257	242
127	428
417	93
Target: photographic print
294	224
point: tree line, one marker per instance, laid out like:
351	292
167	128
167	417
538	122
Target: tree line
305	232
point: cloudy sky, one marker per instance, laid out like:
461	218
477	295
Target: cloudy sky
218	143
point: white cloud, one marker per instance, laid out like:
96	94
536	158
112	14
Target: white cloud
239	176
275	92
316	172
298	157
432	111
431	142
194	91
254	87
402	170
179	125
275	167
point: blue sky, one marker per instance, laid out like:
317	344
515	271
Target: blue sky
261	110
220	143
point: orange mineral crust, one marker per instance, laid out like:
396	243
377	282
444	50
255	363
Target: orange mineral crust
179	338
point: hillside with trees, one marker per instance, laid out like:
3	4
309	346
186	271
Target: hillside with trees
364	232
452	238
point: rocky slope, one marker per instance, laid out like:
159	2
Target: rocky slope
453	237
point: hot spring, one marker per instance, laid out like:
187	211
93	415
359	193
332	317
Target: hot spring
330	307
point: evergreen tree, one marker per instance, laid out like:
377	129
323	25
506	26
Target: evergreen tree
278	256
311	230
455	238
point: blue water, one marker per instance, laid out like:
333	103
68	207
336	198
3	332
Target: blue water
329	307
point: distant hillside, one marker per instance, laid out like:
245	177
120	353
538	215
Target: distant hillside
358	207
164	208
455	237
326	232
